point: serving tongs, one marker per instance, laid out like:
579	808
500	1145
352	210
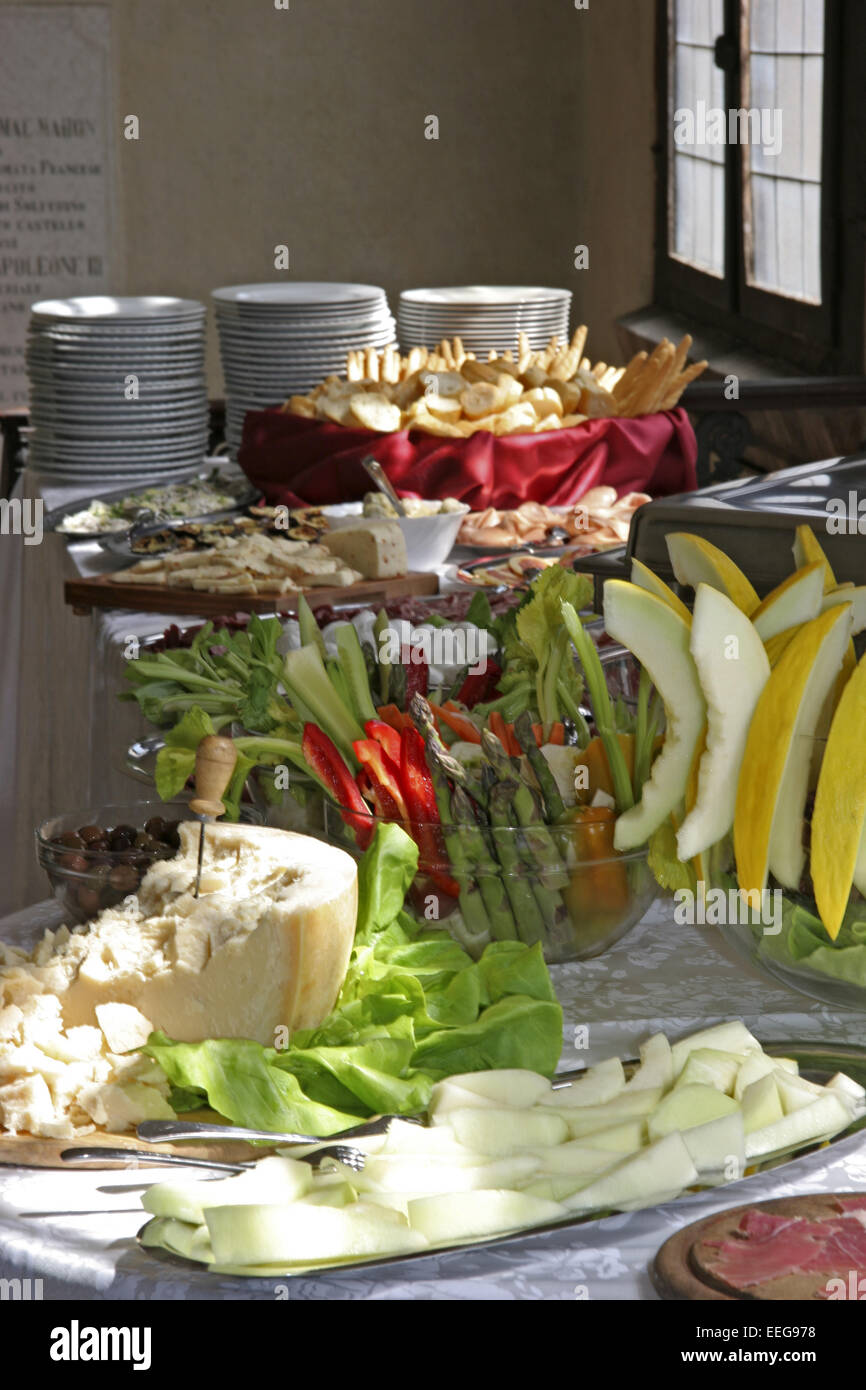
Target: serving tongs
215	760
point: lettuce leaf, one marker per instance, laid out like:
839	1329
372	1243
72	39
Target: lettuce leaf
414	1007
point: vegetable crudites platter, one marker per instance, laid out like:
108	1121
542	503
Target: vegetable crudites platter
333	963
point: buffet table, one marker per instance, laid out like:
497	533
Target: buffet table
75	1230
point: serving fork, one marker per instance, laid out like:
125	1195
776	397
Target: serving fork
346	1154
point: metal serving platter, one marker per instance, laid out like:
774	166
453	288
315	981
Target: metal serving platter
245	492
817	1062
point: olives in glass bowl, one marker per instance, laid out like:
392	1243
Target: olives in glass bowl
96	858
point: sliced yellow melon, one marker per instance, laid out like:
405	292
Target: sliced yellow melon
808	551
796	600
840	804
659	638
773	782
644	577
847	593
774	646
733	670
696	561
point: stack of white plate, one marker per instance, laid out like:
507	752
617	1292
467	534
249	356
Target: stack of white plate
117	387
280	340
486	317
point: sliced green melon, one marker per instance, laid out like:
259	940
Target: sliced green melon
272	1180
725	1037
599	1085
824	1117
687	1106
257	1235
761	1103
656	1065
468	1215
707	1066
656	1174
497	1132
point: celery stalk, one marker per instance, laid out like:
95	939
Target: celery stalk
602	707
311	691
354	670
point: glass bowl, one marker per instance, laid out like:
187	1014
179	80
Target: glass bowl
553	884
785	941
88	874
85	878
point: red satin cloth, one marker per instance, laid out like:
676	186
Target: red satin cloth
296	461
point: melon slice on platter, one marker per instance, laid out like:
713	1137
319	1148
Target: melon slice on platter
825	1116
598	1085
686	1106
656	1065
796	600
659	639
718	1148
468	1215
761	1104
708	1066
657	1174
752	1069
732	669
645	578
839	815
774	776
722	1037
696	561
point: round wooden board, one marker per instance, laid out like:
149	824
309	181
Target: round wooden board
676	1275
23	1150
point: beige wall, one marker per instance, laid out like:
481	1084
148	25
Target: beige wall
261	126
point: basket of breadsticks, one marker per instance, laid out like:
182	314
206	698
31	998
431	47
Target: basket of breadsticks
525	426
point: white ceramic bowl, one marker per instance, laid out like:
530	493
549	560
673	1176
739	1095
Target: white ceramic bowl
429	539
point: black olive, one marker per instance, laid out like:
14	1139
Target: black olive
123	878
89	900
91	833
156	827
75	863
121	839
70	840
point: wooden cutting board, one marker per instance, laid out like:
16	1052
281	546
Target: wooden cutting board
103	592
677	1271
23	1150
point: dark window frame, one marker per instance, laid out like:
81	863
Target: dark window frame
828	337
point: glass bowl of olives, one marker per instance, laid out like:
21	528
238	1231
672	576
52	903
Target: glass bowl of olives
96	858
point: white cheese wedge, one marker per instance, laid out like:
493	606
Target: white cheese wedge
376	548
264	947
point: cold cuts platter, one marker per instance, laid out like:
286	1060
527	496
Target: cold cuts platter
808	1248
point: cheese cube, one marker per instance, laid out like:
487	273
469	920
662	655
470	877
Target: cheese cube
376	549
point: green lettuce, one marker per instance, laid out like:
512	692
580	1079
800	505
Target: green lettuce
414	1008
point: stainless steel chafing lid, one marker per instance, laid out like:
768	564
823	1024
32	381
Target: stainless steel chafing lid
754	520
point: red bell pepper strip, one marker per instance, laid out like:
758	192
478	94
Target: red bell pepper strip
386	735
384	779
423	812
327	763
417	675
481	686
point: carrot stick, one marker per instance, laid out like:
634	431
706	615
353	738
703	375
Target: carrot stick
390	714
557	733
497	726
458	723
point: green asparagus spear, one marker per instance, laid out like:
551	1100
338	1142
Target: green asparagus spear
490	882
553	803
527	913
472	907
503	765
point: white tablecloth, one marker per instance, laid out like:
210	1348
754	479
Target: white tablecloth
75	1230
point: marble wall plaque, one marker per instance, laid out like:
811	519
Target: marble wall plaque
55	178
